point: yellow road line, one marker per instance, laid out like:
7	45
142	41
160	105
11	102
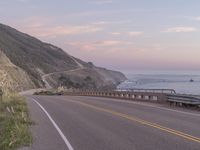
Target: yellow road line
147	123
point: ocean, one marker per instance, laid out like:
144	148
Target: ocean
183	82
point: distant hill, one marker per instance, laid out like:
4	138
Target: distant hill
26	63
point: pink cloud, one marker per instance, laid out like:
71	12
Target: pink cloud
43	27
181	29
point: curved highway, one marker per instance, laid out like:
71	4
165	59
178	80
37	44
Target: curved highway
91	123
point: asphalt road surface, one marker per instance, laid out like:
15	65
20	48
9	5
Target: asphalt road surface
91	123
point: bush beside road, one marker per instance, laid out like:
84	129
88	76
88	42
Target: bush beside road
14	122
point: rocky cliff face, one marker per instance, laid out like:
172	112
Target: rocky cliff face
26	63
12	77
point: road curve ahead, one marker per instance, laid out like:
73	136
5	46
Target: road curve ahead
91	123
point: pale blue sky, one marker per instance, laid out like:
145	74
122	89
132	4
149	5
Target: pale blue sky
118	34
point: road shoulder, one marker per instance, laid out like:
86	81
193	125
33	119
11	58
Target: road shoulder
45	136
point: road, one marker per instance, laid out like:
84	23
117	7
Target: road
91	123
45	76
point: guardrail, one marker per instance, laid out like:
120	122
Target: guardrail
142	96
151	95
167	91
183	100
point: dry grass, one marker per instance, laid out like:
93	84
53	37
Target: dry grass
14	123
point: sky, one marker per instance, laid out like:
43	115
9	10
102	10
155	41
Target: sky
117	34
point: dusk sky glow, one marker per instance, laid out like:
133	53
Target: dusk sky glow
117	34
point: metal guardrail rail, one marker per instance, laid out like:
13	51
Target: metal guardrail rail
185	100
156	95
131	95
167	91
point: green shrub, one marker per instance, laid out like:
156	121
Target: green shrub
14	123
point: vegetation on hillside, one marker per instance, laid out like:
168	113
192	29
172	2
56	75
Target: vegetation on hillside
87	83
14	122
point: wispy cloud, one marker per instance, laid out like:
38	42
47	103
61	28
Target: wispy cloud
41	27
135	33
102	43
112	22
109	12
130	33
65	30
116	33
101	23
110	43
101	2
196	18
181	29
98	45
23	1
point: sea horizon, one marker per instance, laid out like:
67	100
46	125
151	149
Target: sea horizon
182	81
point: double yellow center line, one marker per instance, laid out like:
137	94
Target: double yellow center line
134	119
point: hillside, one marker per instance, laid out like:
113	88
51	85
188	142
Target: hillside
12	77
41	64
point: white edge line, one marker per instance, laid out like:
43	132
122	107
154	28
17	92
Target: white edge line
149	105
55	125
